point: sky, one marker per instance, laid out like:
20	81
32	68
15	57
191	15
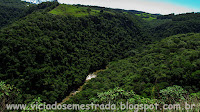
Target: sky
150	6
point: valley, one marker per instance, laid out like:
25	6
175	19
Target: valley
76	54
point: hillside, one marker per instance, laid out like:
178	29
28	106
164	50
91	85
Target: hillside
47	51
179	24
74	11
49	55
11	10
172	61
38	1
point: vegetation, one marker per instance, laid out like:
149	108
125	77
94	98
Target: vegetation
8	95
147	17
74	10
50	55
47	50
172	61
12	10
180	24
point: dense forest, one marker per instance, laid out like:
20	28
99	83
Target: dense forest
180	24
172	61
12	10
49	55
47	50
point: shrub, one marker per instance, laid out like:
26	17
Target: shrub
173	94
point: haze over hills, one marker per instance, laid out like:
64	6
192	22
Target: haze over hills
47	51
38	1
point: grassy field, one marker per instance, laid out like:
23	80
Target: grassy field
77	11
147	17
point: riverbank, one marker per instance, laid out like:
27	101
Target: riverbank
88	78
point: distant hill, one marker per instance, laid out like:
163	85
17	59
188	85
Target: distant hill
178	24
39	1
66	10
13	10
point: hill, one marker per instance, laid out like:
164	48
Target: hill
49	50
74	11
13	10
172	61
49	55
179	24
38	1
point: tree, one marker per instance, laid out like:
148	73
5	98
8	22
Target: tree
89	10
8	95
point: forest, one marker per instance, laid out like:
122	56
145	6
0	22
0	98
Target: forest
47	51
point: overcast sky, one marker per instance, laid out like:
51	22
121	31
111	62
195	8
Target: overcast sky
151	6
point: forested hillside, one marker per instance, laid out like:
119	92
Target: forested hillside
179	24
47	50
49	55
12	10
173	61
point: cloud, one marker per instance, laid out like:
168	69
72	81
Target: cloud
150	6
